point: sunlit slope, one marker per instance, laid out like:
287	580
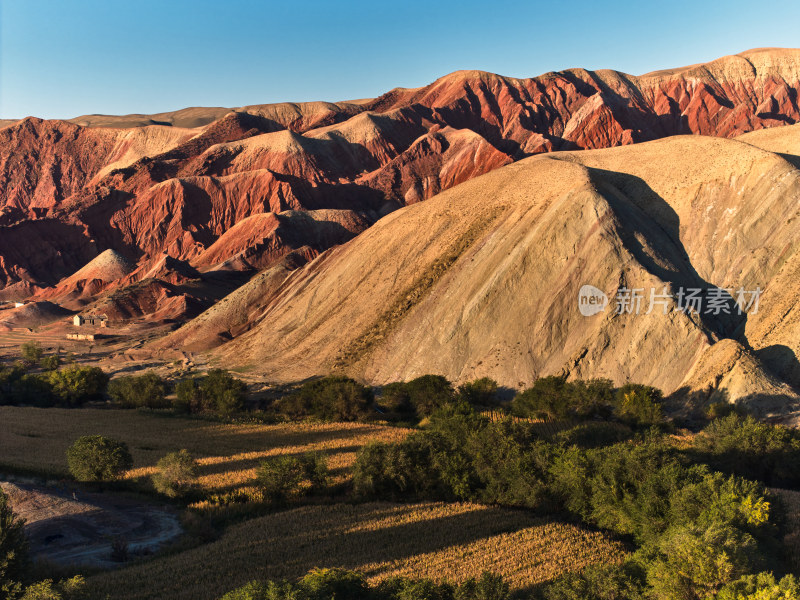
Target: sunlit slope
483	279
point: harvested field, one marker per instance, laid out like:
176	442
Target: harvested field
435	540
37	439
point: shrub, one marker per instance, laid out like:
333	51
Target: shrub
429	392
396	401
50	363
69	589
282	477
76	384
187	394
546	399
325	584
743	446
97	458
32	352
176	474
480	392
13	550
133	391
119	550
762	586
639	405
597	582
330	399
222	392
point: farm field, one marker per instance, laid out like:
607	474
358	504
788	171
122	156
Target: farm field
433	540
228	455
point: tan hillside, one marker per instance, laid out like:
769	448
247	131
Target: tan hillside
782	140
483	279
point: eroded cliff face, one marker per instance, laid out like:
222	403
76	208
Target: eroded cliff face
69	192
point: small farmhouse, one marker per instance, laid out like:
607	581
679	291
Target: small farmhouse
96	320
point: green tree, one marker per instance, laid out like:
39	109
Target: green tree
270	590
696	562
401	470
281	478
77	384
639	405
97	458
326	584
34	390
330	399
50	363
480	392
395	401
762	586
743	446
222	392
487	587
13	550
546	399
132	391
187	394
176	474
69	589
9	376
429	392
597	582
32	352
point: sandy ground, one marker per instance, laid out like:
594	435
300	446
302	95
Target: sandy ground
68	527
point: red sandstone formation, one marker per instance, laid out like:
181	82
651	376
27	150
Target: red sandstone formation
215	196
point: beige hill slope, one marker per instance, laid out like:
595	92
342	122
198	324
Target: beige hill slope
483	279
781	140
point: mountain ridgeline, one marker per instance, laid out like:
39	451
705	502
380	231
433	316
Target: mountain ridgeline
444	229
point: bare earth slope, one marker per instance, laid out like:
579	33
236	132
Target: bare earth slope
483	279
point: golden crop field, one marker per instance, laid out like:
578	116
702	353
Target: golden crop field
228	455
435	540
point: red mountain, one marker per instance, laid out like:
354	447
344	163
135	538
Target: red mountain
69	192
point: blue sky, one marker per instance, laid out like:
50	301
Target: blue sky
64	58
